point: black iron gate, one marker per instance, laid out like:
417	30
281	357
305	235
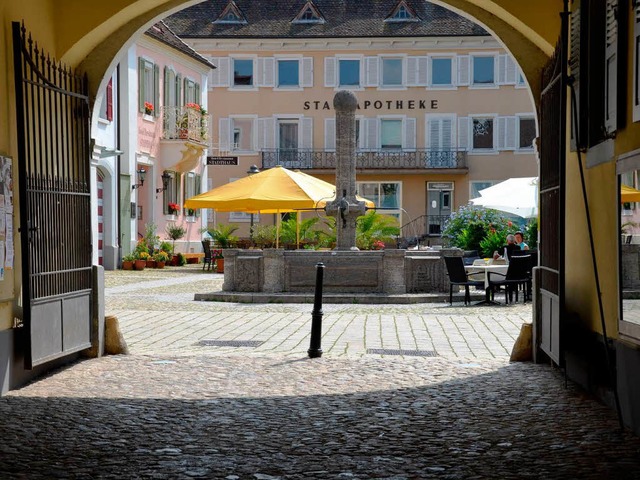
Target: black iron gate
552	198
52	110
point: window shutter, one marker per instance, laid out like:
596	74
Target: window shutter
447	134
330	72
140	84
409	134
223	74
197	93
372	70
109	99
307	72
433	133
156	90
463	133
502	133
259	73
502	69
511	133
224	134
166	87
258	138
330	134
463	69
198	191
306	133
412	71
511	74
269	133
214	73
268	72
371	132
611	67
179	99
423	71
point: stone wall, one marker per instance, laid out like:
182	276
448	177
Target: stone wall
386	271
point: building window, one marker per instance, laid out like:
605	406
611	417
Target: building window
383	195
148	85
191	91
441	72
172	193
287	140
242	134
391	134
483	70
527	133
391	72
349	73
482	134
288	73
242	72
106	108
476	186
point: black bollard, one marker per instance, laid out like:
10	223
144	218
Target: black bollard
316	316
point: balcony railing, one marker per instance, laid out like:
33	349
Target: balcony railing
185	123
381	159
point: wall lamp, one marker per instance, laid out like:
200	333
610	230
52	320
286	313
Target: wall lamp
141	174
166	176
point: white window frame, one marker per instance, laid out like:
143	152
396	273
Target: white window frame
429	117
483	151
288	88
401	118
519	75
403	60
360	59
380	182
493	85
148	76
454	71
252	142
472	182
525	116
190	82
232	85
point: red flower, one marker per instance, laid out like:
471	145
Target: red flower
148	107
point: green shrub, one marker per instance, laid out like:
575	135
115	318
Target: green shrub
470	225
264	236
182	260
531	233
374	227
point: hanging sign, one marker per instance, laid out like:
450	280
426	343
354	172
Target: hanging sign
222	160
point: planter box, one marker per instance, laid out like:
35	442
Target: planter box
170	218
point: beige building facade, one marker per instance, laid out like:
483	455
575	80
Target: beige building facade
438	118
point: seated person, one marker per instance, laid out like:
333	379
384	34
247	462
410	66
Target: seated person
510	247
520	241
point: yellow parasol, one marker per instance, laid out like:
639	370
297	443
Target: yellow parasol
629	194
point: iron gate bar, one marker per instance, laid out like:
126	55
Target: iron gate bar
52	114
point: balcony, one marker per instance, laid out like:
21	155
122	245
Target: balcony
421	159
185	123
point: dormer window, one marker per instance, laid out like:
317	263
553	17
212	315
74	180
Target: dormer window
402	13
231	14
309	14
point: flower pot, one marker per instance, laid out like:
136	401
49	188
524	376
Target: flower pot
127	265
151	263
174	261
220	265
170	218
139	264
160	264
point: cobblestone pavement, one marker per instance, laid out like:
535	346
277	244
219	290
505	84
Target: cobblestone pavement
275	414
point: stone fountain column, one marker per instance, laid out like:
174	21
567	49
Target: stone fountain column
346	208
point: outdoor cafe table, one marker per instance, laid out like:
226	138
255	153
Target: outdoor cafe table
487	269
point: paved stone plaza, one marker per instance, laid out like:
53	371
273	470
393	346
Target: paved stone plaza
177	409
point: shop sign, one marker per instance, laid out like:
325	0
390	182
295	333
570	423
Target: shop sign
222	160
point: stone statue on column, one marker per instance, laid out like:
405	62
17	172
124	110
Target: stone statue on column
346	207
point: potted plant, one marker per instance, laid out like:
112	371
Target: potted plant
141	260
175	232
223	235
218	258
148	108
191	214
173	208
161	258
127	261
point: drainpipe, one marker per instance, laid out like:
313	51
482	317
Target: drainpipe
119	209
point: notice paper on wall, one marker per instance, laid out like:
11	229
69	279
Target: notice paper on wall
1	261
8	259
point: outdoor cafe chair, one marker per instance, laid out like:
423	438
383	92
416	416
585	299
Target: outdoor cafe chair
517	274
208	260
458	276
